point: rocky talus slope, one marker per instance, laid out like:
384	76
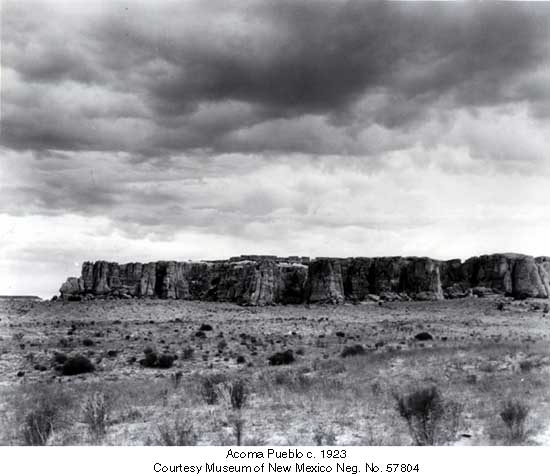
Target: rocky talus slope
265	280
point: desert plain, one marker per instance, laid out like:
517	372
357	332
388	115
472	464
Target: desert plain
194	372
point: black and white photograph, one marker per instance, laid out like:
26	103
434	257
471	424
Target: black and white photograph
274	223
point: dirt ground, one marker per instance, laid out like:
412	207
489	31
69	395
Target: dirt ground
482	353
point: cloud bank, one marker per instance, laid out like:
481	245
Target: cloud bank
146	130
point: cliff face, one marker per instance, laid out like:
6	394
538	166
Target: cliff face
265	280
325	282
261	282
517	275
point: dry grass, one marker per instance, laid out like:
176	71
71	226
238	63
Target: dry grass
96	414
488	356
178	432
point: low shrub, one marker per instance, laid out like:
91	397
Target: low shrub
187	353
324	436
354	350
238	392
76	365
59	358
282	358
210	385
154	361
38	426
64	342
237	423
180	433
150	359
42	410
165	361
176	379
96	413
526	365
423	336
131	415
431	420
514	414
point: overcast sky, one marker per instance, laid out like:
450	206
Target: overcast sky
141	130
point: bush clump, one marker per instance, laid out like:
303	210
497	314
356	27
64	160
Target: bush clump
354	350
154	361
210	387
513	414
238	392
187	353
181	433
431	420
282	358
96	413
165	361
324	436
237	423
150	359
526	365
423	336
176	379
76	365
42	410
59	358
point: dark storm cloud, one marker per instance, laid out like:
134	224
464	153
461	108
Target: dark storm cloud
242	76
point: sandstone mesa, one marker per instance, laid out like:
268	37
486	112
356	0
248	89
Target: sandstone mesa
265	280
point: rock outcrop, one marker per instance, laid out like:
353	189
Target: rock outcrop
455	279
325	283
543	265
72	287
266	280
526	279
356	273
520	276
491	271
421	279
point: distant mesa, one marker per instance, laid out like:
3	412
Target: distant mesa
267	279
20	297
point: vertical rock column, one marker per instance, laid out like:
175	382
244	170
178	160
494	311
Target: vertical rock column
356	273
148	280
421	280
325	283
526	279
